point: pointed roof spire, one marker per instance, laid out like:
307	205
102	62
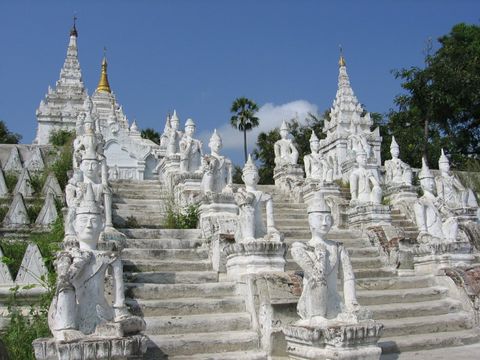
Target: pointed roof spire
73	30
341	61
103	84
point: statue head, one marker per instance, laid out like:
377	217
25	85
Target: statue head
361	158
443	163
284	130
314	143
215	143
319	216
425	176
250	173
189	127
90	169
88	221
174	121
394	149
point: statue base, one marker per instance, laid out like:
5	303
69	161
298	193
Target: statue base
334	342
435	257
313	186
218	221
186	188
259	256
289	180
396	193
363	216
169	166
91	348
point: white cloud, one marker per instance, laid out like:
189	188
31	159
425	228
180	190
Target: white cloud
271	116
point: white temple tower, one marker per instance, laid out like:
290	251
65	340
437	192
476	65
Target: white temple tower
62	104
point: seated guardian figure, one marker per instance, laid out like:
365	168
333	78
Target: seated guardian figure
397	172
433	220
322	260
450	190
217	169
364	183
251	203
190	149
285	151
316	166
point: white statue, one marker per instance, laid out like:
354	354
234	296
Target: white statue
217	169
397	172
190	149
321	260
285	151
316	166
450	190
174	135
251	202
79	307
364	183
433	219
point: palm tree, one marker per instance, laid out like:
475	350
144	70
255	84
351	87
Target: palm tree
244	118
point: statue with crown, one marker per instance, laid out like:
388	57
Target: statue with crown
81	316
287	174
331	325
258	247
443	239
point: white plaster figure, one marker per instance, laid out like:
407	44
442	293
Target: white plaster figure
316	166
174	135
190	149
251	202
450	190
430	220
285	151
321	261
217	169
397	172
364	183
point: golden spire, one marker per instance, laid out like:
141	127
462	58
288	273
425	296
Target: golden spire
103	84
341	61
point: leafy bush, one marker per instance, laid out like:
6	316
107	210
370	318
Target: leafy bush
11	178
63	165
34	209
37	181
3	212
61	137
186	218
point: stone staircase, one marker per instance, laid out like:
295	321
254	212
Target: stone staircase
417	313
170	281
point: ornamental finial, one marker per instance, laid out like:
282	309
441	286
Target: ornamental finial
73	30
341	61
103	84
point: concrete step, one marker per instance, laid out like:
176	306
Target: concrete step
121	200
428	341
291	266
166	265
427	324
154	206
186	306
231	355
362	251
145	233
357	263
197	343
164	243
175	277
172	291
424	308
377	297
160	325
404	282
152	221
163	254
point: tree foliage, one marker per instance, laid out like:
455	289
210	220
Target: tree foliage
8	137
244	118
441	101
151	134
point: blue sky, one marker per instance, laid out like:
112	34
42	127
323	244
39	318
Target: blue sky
198	56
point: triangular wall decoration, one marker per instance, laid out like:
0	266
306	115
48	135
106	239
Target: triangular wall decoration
48	214
3	185
35	163
32	268
5	276
17	215
52	186
24	185
14	163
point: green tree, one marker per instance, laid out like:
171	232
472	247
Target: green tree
8	137
441	105
244	118
151	134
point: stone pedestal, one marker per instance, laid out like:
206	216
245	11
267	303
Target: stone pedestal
169	166
218	222
289	179
349	165
186	188
398	193
434	258
260	256
91	348
334	342
363	216
311	187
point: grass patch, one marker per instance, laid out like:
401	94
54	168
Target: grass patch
11	178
